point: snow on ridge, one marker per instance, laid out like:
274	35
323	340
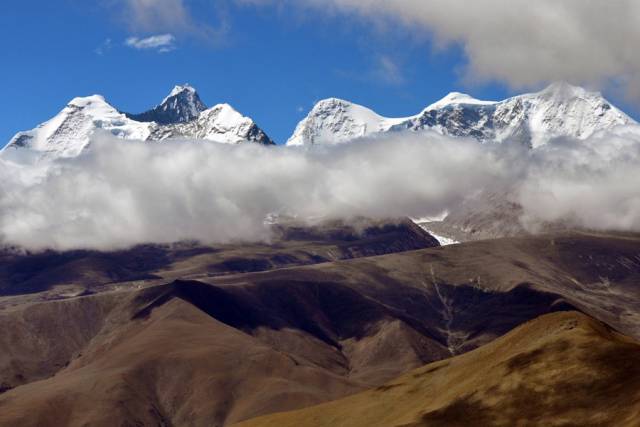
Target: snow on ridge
335	120
531	119
177	89
457	98
68	133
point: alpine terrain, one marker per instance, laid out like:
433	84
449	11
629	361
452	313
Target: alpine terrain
180	115
412	261
531	119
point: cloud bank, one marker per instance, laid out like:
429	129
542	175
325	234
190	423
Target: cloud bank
122	193
523	43
592	184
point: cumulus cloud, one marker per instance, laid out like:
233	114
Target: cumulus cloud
122	193
160	42
520	42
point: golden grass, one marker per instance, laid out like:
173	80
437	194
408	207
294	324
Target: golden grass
560	369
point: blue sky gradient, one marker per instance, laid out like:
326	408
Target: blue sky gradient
271	64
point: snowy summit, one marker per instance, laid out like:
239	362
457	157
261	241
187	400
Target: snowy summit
559	110
180	115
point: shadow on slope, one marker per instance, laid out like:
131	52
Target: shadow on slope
334	312
295	244
559	369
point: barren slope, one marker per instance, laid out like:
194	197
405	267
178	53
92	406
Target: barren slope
232	346
560	369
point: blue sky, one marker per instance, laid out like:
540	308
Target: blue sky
270	63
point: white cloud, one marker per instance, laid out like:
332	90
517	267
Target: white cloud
520	42
122	193
160	42
592	184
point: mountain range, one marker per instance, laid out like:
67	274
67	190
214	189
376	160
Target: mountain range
180	115
560	110
357	322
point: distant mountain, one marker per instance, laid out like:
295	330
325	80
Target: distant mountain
559	110
220	123
180	115
182	105
335	120
531	119
68	133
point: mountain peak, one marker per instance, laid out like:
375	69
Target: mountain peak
563	90
331	104
221	123
68	133
531	119
458	97
182	105
335	120
454	98
333	101
84	101
186	90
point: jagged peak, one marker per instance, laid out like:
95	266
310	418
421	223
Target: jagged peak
182	105
184	94
181	88
186	89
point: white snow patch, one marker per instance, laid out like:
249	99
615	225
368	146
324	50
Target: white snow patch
457	98
444	241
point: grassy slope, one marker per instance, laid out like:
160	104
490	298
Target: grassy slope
559	369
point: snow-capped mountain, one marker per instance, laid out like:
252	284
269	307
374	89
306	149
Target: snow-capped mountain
335	120
559	110
68	133
221	123
531	119
182	105
181	115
